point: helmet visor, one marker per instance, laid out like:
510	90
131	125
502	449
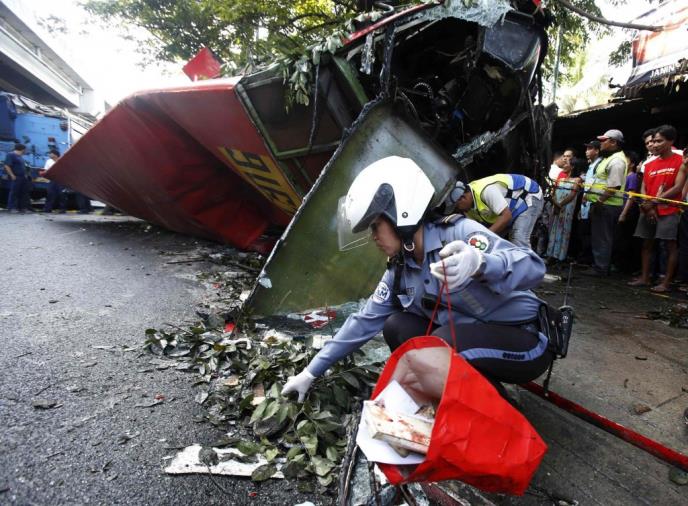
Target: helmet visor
348	239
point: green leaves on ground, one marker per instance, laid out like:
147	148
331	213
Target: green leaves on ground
241	381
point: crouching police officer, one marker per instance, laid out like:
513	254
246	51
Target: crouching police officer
495	314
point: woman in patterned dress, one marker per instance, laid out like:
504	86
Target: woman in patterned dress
566	190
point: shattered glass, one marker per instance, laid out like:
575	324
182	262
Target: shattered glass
478	142
483	12
368	55
481	143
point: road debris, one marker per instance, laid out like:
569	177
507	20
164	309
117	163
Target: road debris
678	476
640	408
151	404
201	396
45	404
230	462
241	379
126	437
674	315
208	456
43	390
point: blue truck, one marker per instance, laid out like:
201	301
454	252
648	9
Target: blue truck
40	128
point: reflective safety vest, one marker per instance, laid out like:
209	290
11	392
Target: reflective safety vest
599	184
518	187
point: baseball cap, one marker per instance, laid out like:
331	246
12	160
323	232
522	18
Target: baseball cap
612	134
593	144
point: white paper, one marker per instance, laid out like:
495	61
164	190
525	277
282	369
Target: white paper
187	462
396	399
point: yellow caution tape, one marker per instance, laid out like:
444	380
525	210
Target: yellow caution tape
600	190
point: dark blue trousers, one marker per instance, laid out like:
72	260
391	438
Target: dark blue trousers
83	203
18	197
55	195
502	353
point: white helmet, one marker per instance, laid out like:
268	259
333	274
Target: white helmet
394	187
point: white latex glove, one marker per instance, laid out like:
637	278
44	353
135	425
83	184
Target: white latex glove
299	383
461	261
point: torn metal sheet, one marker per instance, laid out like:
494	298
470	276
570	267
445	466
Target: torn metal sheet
187	461
326	276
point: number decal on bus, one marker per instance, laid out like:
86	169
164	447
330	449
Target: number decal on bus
265	176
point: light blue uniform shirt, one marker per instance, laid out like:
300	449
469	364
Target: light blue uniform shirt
501	294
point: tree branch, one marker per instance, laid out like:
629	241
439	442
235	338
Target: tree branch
605	21
321	25
308	15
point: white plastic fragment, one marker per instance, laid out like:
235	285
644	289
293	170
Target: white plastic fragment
187	462
278	336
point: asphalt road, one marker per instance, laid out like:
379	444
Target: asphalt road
76	292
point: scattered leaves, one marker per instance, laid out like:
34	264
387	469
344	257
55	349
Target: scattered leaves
264	472
676	315
241	376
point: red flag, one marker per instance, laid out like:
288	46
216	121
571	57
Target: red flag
204	65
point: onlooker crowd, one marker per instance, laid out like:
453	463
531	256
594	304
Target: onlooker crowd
624	214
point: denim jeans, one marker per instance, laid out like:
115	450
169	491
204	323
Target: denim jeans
523	225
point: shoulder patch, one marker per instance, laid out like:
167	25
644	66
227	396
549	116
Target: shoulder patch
480	241
381	294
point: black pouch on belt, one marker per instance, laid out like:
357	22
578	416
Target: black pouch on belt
557	324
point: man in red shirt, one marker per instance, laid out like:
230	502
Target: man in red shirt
664	178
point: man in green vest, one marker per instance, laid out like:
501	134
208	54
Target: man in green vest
501	201
606	197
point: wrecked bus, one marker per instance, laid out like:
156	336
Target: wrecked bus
454	87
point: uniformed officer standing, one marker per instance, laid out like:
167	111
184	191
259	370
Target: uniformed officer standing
494	312
15	168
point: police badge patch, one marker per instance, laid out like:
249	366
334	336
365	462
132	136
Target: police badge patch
381	293
479	241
